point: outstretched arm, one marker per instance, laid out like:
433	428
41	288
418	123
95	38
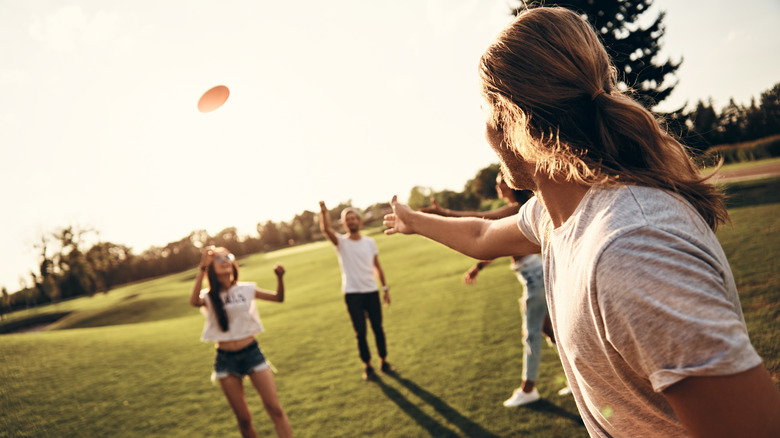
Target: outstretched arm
206	256
278	296
325	226
743	404
501	212
478	238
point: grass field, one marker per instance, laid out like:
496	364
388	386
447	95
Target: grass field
130	363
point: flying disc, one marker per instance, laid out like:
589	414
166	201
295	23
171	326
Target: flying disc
213	99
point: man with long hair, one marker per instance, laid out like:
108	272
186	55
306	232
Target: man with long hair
644	306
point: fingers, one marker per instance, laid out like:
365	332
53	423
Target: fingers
389	222
279	269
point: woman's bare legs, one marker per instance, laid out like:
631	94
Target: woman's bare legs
233	387
263	381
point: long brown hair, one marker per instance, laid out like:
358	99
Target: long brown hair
214	290
552	90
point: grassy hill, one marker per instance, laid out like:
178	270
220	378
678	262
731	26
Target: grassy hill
130	363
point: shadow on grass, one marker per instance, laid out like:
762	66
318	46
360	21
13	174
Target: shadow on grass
466	426
752	192
544	406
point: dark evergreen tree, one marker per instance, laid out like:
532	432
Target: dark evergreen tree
631	47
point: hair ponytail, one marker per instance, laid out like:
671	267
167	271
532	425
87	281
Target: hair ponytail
553	92
216	300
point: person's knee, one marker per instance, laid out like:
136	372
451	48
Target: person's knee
274	409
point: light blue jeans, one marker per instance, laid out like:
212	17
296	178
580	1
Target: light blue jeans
533	307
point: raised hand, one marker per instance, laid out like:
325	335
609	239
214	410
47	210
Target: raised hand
279	270
207	256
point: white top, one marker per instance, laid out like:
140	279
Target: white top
243	320
356	258
641	296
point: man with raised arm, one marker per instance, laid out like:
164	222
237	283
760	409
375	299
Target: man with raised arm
359	261
644	306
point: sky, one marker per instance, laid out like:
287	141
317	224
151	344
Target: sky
351	100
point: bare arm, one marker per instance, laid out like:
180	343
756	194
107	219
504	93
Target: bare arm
743	404
475	237
325	226
206	256
502	212
381	275
277	296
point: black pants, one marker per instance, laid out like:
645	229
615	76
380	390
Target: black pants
359	305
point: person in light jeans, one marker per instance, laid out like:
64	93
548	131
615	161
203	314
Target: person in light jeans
533	303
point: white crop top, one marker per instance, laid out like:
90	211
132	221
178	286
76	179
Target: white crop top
243	320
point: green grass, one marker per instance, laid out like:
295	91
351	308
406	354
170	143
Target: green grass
130	363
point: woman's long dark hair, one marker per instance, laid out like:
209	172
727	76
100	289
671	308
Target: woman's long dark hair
216	301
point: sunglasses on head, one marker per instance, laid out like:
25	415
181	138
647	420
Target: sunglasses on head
221	258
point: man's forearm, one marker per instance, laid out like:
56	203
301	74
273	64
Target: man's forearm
478	238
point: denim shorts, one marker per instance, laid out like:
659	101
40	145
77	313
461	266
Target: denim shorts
239	363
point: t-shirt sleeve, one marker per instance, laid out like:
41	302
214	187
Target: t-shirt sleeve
529	218
668	310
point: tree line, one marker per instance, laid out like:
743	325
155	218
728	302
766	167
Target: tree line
705	126
69	267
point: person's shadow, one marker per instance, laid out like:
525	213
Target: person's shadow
466	426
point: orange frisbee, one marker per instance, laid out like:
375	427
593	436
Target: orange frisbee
213	99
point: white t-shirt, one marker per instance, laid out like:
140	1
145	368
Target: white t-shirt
641	296
356	258
243	320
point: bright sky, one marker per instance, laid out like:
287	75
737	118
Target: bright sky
349	100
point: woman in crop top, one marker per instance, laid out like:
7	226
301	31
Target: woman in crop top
232	322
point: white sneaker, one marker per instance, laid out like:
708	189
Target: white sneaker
520	398
565	391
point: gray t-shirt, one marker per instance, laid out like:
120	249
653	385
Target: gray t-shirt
641	296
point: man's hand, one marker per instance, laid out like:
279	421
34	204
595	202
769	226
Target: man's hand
386	296
279	270
399	220
433	209
323	208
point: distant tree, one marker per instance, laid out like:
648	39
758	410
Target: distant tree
108	261
304	225
229	238
457	200
483	185
631	47
269	235
770	108
3	302
287	234
730	123
754	126
419	197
